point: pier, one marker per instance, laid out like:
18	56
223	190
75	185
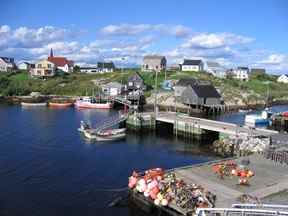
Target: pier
270	178
188	124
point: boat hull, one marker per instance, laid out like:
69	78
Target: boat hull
53	104
99	137
93	106
33	104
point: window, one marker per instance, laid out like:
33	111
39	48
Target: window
39	66
49	65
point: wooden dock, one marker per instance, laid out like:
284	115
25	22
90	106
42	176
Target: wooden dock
189	122
270	178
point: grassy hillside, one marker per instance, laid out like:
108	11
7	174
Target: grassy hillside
233	91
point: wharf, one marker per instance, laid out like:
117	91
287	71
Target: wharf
270	178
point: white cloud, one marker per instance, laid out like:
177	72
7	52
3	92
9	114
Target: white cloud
215	40
24	37
274	59
136	29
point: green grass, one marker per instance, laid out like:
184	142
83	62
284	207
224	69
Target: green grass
81	84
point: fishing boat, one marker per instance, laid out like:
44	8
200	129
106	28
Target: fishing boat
84	126
60	104
259	119
90	102
107	135
33	104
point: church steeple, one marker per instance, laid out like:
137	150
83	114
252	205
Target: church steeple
51	53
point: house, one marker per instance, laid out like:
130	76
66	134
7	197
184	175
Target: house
190	91
257	71
105	67
215	69
43	68
7	64
135	82
112	89
241	73
24	66
88	69
61	63
173	67
154	63
283	78
192	65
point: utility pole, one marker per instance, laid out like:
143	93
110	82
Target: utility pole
156	92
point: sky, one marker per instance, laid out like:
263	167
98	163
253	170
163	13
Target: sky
249	33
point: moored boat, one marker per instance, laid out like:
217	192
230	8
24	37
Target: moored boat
60	104
90	102
259	119
33	104
102	135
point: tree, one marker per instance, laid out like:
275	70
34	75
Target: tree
76	69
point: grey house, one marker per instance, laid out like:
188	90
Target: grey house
196	92
154	63
135	82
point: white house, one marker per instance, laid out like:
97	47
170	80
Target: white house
105	67
112	88
88	69
192	65
24	66
61	63
7	64
283	78
215	69
241	73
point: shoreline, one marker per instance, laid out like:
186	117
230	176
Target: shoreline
148	107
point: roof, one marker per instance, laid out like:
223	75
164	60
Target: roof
213	64
243	68
192	62
27	63
186	82
8	60
105	65
157	57
206	91
88	68
135	77
60	61
113	85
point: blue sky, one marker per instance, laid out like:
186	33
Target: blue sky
250	33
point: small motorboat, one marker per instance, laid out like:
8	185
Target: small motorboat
90	102
259	119
60	104
107	135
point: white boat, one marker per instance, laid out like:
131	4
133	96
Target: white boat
90	102
25	104
107	135
263	118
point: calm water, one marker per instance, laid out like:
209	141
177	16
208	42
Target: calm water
47	168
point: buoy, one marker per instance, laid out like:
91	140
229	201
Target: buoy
164	202
157	202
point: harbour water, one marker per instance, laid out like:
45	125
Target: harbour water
48	168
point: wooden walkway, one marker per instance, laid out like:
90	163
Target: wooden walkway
270	178
212	125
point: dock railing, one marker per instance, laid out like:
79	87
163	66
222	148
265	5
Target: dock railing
238	212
